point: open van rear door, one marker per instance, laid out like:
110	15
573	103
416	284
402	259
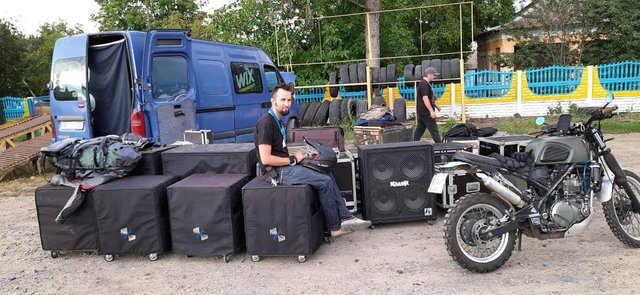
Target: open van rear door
70	108
168	84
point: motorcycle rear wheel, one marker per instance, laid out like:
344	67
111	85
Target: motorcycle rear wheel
462	224
623	222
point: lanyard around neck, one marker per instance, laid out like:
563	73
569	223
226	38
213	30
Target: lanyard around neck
282	130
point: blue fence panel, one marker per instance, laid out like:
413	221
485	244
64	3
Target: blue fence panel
487	84
13	107
358	95
554	80
310	94
620	76
407	89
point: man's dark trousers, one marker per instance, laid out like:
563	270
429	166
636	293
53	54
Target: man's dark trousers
426	122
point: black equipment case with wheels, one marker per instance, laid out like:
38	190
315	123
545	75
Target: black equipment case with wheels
221	158
151	161
285	220
132	215
331	136
78	232
458	184
206	215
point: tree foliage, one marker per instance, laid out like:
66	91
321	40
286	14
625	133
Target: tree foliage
12	48
143	15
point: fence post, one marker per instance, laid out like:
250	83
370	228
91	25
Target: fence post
452	109
519	92
589	84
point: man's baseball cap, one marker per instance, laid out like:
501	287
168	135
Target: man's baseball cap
430	70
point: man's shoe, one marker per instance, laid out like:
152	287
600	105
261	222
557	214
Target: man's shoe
341	232
355	224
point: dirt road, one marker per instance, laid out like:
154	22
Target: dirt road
406	258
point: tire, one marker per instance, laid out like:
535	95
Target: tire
391	74
446	69
303	108
437	64
334	112
353	76
322	114
307	120
289	127
417	72
362	75
425	64
461	228
361	107
344	75
379	100
348	109
408	73
375	76
455	68
383	77
624	224
400	109
333	79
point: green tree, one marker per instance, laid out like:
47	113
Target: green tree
614	31
145	14
12	47
39	49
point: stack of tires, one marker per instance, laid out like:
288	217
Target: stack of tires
449	69
357	73
2	118
318	113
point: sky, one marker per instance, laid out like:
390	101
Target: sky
28	15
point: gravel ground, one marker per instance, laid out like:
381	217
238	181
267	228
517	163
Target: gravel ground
405	258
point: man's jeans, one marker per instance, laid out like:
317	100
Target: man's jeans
333	206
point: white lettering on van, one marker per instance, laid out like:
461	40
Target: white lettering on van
245	79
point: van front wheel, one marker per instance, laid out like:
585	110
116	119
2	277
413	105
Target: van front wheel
290	125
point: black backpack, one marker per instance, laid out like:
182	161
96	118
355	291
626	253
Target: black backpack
462	130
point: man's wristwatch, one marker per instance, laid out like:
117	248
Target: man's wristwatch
292	160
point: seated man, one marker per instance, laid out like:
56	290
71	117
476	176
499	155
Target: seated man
270	136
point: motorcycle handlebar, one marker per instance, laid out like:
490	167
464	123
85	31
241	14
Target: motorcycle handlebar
608	110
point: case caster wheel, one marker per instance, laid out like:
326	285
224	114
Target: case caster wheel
255	258
108	258
372	226
431	222
153	256
327	240
226	258
55	254
302	258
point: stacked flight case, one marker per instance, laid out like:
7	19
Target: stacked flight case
503	145
206	215
151	161
77	233
132	215
223	158
284	220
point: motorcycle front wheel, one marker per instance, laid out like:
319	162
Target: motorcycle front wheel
623	222
463	223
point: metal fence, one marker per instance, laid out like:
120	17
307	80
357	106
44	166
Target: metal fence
14	107
554	80
620	76
488	83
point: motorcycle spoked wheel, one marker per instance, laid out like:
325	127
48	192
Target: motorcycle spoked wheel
462	224
623	222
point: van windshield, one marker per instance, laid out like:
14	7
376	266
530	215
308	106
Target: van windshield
69	78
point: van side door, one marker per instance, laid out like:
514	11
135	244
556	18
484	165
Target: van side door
169	84
70	108
250	97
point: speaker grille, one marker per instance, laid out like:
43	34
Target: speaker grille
394	179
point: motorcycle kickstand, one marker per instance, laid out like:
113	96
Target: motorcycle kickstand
519	241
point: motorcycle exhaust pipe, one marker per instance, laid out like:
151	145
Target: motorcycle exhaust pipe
501	190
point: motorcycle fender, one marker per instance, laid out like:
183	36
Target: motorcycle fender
606	188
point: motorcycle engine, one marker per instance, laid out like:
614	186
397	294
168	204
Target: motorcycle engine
571	205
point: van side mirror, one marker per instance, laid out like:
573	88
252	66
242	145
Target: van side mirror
50	85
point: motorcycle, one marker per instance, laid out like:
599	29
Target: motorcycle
546	192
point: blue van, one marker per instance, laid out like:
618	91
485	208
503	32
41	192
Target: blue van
158	84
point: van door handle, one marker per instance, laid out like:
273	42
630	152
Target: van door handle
266	104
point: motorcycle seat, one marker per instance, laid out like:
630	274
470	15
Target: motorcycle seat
477	160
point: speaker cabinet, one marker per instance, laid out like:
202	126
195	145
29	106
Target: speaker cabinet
394	179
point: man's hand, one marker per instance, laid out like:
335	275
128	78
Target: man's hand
299	156
438	108
433	115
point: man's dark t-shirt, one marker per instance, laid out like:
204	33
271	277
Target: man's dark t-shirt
424	89
267	132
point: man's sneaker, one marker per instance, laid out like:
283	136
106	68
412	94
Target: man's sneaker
341	232
355	224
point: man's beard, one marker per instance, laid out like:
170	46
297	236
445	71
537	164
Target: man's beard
283	112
